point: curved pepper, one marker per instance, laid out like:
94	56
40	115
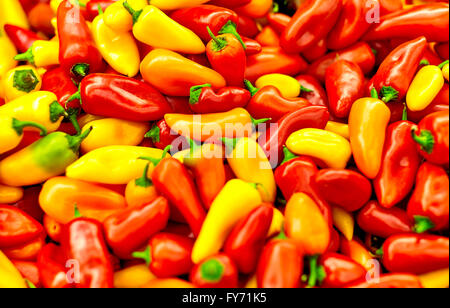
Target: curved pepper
339	270
204	99
424	88
60	84
268	37
278	21
10	194
27	251
174	74
235	201
162	136
41	53
17	227
22	38
312	90
59	196
287	85
11	132
140	191
10	275
118	18
21	80
357	252
217	271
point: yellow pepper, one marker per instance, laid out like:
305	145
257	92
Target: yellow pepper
40	107
332	149
288	86
153	27
235	201
41	53
12	13
9	275
11	132
424	88
110	131
344	222
168	283
438	279
368	120
133	277
445	70
277	223
20	81
7	53
119	49
9	194
113	164
117	17
168	5
87	118
249	163
338	128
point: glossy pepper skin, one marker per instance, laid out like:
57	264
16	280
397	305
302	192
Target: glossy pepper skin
389	281
92	8
12	132
345	188
340	270
129	229
78	54
424	88
400	162
415	253
246	241
312	90
51	263
20	37
217	271
430	199
432	137
161	135
204	99
310	23
344	82
58	82
83	240
10	275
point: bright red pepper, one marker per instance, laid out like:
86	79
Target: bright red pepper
278	21
20	37
312	22
415	253
78	54
131	228
389	281
179	104
162	136
27	251
345	188
440	103
92	8
230	3
252	47
382	222
247	26
335	241
317	51
246	240
29	271
59	82
83	242
217	271
339	270
312	90
442	50
432	137
205	100
52	267
345	83
389	6
268	37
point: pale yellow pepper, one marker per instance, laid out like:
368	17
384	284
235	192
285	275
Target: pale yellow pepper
344	222
9	194
424	88
10	276
133	277
117	17
288	86
332	149
437	279
445	71
338	128
7	54
12	13
277	223
20	81
41	53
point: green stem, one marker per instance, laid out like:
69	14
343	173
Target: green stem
76	211
154	133
26	56
303	89
219	43
134	14
260	121
288	155
405	113
230	143
80	69
253	90
195	93
57	111
144	181
422	224
388	94
212	270
18	126
230	27
425	140
316	274
72	116
374	93
441	66
75	141
424	62
25	80
156	161
145	255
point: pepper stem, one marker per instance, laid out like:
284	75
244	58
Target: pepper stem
75	141
144	181
219	43
303	89
100	10
260	121
80	69
134	14
422	224
288	155
25	80
441	66
212	270
57	111
18	126
230	27
317	273
145	255
281	235
425	140
230	143
154	133
193	146
76	211
76	95
253	90
26	56
195	93
72	116
405	113
374	93
388	94
424	62
156	161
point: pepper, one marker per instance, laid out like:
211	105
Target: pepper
129	229
7	53
319	143
10	275
83	241
11	132
174	75
255	8
429	20
432	137
400	162
247	26
368	121
19	81
41	53
268	37
119	49
269	102
312	22
287	85
345	188
17	227
10	194
338	128
118	18
397	71
94	7
162	136
203	99
389	281
415	253
252	47
13	14
235	201
51	263
52	228
78	53
60	84
134	276
27	251
140	191
230	3
153	27
428	205
278	21
312	90
40	18
274	60
217	271
339	270
246	241
436	279
29	271
22	38
173	283
59	196
273	139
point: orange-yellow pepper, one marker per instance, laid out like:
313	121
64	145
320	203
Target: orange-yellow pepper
134	276
140	191
10	276
10	194
168	283
256	8
344	222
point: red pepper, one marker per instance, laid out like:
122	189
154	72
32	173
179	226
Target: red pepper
312	90
346	188
29	270
268	37
59	82
268	102
312	22
274	60
390	6
360	53
274	138
20	37
415	253
247	26
78	53
339	270
280	264
383	222
389	281
52	268
345	84
429	203
252	47
278	21
27	251
335	241
131	228
204	99
431	57
121	97
246	240
173	181
179	104
381	49
398	69
227	57
317	51
217	271
442	50
162	136
440	103
92	8
230	3
430	20
83	242
17	227
432	137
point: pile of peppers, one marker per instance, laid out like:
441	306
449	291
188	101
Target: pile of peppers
341	180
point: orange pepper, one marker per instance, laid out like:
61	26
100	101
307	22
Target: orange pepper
171	283
52	228
256	8
268	37
140	191
27	251
357	252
